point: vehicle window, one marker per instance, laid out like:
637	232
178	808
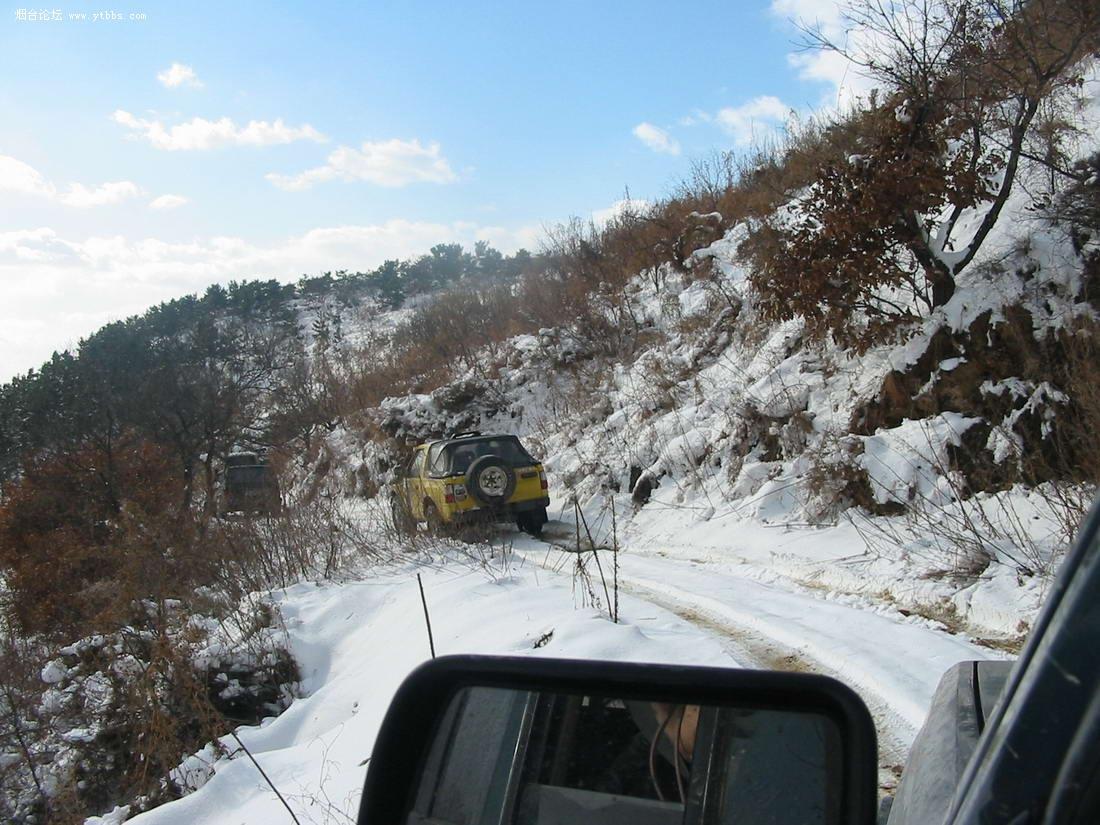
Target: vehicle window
600	744
462	454
515	757
755	745
254	476
477	758
728	765
417	464
437	463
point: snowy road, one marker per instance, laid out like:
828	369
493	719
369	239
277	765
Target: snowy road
892	660
355	641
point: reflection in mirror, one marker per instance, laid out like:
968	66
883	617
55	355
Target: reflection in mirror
507	757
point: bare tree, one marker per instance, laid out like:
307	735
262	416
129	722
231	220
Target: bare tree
983	70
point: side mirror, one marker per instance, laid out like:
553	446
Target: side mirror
474	740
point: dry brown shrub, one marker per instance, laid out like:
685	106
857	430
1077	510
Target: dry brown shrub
79	531
551	299
968	100
457	326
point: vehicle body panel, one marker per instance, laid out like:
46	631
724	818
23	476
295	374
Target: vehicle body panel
961	706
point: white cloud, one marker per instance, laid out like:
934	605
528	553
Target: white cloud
81	196
656	139
846	83
509	240
16	176
58	289
753	119
200	134
843	82
178	75
389	163
21	178
824	14
41	245
168	202
600	217
695	118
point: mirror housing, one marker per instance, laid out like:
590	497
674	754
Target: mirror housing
415	717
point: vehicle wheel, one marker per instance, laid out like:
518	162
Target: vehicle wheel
490	481
402	519
532	522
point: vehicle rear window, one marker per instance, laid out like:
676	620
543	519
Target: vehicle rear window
460	455
251	477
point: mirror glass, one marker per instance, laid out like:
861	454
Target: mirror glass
502	756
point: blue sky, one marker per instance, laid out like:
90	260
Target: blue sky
144	158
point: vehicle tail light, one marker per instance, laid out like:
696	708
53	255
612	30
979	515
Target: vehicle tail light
449	493
542	480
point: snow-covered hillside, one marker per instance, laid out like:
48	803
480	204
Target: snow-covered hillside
737	441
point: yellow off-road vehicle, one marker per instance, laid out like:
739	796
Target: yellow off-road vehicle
471	477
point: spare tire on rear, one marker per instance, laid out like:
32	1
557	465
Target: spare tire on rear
490	481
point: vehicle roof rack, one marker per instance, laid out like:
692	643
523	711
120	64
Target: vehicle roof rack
468	434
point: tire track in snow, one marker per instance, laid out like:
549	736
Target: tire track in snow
759	651
894	666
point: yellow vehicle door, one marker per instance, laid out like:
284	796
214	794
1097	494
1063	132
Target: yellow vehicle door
431	479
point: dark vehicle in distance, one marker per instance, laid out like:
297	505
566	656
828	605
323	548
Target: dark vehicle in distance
249	486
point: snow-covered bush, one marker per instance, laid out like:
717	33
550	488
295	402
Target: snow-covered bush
107	719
